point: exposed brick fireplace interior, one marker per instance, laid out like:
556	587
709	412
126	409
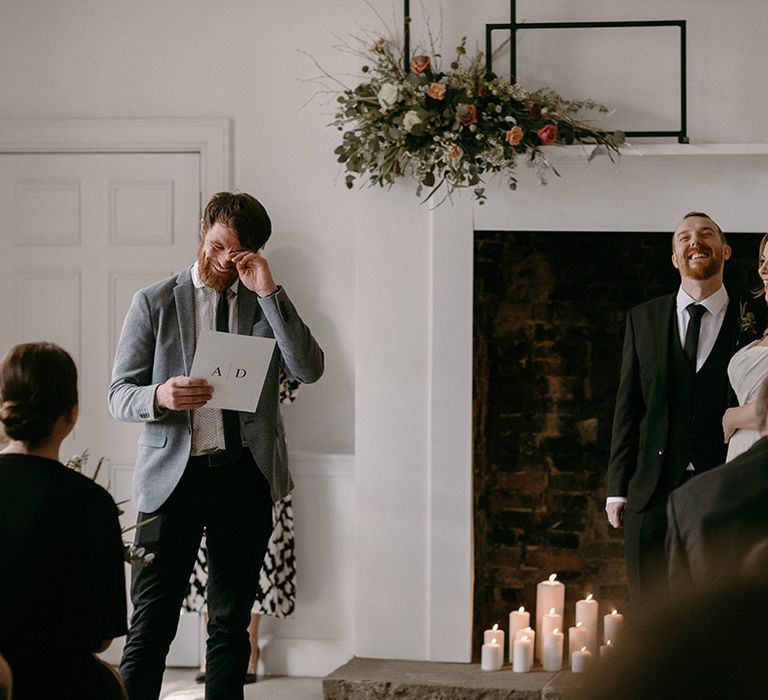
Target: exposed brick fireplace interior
549	311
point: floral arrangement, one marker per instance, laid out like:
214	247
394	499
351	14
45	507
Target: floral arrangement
452	127
131	553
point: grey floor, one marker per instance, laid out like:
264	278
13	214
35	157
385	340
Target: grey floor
179	684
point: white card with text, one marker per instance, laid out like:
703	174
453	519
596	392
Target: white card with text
235	365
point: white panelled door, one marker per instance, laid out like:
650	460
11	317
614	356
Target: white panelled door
79	234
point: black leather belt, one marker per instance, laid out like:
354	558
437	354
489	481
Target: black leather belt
215	459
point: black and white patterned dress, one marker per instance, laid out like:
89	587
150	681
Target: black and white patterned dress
276	591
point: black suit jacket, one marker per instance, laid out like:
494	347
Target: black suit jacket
641	421
715	519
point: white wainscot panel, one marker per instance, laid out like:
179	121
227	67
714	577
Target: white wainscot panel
47	212
319	636
141	212
48	308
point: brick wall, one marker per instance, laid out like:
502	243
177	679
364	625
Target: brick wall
548	330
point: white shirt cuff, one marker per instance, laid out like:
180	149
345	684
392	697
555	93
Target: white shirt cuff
615	499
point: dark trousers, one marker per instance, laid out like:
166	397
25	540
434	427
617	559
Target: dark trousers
232	504
645	536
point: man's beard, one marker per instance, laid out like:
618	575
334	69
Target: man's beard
210	277
699	272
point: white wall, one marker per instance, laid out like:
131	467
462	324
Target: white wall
362	265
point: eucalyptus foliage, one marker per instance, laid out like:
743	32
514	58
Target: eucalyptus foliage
451	128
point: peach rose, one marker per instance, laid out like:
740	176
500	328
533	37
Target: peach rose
467	114
377	45
513	136
420	63
548	134
454	152
436	91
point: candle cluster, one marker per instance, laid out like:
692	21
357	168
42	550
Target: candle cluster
547	647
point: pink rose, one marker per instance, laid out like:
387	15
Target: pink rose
436	91
420	63
467	114
513	136
548	134
454	152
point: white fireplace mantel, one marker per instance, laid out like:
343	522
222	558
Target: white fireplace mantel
413	418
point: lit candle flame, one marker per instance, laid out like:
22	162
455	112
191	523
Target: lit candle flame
495	627
608	643
614	612
551	611
583	649
552	578
521	609
579	624
589	597
555	631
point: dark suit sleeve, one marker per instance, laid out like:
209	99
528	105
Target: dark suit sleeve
629	411
679	569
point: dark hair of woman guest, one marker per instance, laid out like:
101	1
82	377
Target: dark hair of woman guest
38	387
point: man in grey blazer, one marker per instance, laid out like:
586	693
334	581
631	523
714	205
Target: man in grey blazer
200	469
716	519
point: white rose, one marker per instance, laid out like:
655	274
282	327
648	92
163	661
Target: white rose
410	120
388	95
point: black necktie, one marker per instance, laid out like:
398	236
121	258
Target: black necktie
695	311
232	441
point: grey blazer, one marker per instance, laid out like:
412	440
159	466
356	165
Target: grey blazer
158	342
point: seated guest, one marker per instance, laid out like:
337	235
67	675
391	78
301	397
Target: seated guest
717	517
707	646
62	588
6	681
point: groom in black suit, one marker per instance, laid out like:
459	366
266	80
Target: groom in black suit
673	390
715	520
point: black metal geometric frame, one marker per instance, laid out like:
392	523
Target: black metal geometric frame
513	27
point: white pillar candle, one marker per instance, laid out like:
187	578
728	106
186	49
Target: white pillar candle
580	660
549	594
522	660
552	650
494	633
527	632
577	638
586	613
612	625
551	621
491	656
518	620
606	649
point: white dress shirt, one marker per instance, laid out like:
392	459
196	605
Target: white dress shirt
207	423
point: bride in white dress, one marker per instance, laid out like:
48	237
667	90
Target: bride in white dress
747	370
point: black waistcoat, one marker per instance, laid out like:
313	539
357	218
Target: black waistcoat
697	401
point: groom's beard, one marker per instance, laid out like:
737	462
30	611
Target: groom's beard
218	281
702	269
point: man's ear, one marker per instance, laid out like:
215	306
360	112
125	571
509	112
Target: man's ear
674	261
726	252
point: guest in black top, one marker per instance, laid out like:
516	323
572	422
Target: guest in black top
62	580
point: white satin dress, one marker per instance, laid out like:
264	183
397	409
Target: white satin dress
746	371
